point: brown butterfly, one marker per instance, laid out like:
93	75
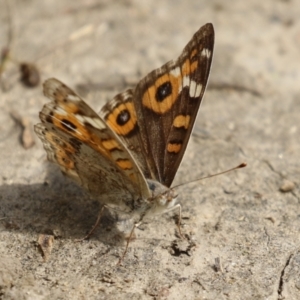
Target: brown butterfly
128	155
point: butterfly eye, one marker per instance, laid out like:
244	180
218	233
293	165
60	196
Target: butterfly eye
163	91
123	117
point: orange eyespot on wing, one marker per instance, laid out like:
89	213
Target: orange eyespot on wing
122	120
163	93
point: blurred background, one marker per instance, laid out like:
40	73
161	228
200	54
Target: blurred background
248	220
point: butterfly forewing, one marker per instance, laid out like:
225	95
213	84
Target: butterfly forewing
161	111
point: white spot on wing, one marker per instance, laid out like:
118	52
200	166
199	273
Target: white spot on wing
61	111
206	53
95	122
176	72
186	81
73	98
195	89
198	90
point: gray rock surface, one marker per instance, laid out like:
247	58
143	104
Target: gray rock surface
242	228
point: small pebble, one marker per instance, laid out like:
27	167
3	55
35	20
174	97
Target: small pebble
287	186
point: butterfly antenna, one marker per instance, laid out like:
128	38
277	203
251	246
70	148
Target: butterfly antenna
242	165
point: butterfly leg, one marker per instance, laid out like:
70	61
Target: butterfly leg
128	241
177	206
179	220
95	225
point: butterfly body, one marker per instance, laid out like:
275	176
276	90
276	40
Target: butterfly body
127	155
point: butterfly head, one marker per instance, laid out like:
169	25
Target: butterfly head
162	200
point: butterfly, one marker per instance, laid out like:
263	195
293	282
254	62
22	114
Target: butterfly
127	155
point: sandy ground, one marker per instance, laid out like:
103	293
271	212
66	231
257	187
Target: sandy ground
242	228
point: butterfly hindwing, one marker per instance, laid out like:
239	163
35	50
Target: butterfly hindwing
77	139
